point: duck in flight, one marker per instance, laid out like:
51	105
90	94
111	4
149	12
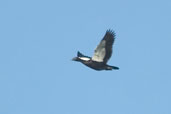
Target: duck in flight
102	54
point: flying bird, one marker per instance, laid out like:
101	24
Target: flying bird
102	54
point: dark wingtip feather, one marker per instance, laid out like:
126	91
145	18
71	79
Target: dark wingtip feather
79	54
111	32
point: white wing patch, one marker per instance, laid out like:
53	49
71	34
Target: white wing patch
84	58
100	52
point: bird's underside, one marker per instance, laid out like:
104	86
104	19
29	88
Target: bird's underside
94	64
100	66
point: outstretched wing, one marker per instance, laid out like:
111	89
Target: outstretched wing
103	51
83	57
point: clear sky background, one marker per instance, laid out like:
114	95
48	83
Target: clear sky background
38	39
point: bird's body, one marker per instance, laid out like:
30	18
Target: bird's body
101	55
95	65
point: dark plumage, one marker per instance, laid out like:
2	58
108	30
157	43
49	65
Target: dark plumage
102	54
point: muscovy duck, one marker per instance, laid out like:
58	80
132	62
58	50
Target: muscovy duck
102	54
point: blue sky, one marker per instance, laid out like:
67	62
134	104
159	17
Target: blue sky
38	39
